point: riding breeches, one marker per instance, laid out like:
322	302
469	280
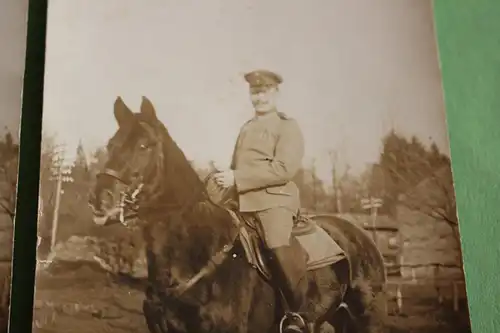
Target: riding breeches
276	226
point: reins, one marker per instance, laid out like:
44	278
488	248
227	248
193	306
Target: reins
217	259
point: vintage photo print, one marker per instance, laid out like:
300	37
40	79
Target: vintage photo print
13	14
246	166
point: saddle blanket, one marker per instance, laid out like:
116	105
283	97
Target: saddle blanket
321	249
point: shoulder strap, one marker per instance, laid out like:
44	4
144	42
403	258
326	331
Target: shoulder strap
283	116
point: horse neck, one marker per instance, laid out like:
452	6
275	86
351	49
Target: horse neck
184	241
182	187
180	184
189	228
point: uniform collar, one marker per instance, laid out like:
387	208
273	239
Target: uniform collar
269	115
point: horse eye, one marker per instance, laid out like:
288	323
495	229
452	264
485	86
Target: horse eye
143	146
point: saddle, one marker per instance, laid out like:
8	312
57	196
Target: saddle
319	248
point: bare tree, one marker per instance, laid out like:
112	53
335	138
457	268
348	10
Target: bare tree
8	175
8	187
340	177
435	197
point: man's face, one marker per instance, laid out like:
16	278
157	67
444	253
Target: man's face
263	98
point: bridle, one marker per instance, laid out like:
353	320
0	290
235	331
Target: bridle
129	199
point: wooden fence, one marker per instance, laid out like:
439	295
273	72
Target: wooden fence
437	286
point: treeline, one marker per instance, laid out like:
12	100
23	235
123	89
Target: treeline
77	180
403	164
9	151
8	189
409	173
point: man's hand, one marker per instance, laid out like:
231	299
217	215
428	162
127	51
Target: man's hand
224	178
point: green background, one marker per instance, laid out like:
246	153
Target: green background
468	34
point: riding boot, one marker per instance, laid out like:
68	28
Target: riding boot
289	269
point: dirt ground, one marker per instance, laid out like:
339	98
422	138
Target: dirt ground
85	299
81	298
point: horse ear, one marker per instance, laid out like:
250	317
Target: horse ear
148	110
123	114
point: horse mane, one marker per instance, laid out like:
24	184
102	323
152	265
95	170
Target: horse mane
194	235
186	181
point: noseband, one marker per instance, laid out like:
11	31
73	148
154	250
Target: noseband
128	197
113	174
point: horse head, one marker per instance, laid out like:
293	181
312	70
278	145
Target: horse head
135	160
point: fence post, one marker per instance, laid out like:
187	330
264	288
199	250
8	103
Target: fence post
399	298
436	278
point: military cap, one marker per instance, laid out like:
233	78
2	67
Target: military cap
263	77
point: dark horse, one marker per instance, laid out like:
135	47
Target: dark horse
199	279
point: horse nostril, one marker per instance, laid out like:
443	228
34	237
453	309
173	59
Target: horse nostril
93	202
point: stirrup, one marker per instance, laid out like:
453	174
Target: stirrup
293	315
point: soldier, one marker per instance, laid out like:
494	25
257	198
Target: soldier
267	155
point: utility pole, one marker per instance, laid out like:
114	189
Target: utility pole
62	175
335	181
314	184
56	209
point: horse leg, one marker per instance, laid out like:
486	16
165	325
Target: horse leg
350	316
153	315
337	313
329	296
263	308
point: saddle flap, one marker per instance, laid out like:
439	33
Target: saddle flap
319	247
251	243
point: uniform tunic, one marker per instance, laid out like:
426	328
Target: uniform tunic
267	155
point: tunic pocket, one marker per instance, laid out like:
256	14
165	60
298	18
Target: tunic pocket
279	190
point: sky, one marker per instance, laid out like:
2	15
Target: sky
352	70
13	18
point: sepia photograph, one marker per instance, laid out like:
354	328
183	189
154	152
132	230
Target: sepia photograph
247	166
13	14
